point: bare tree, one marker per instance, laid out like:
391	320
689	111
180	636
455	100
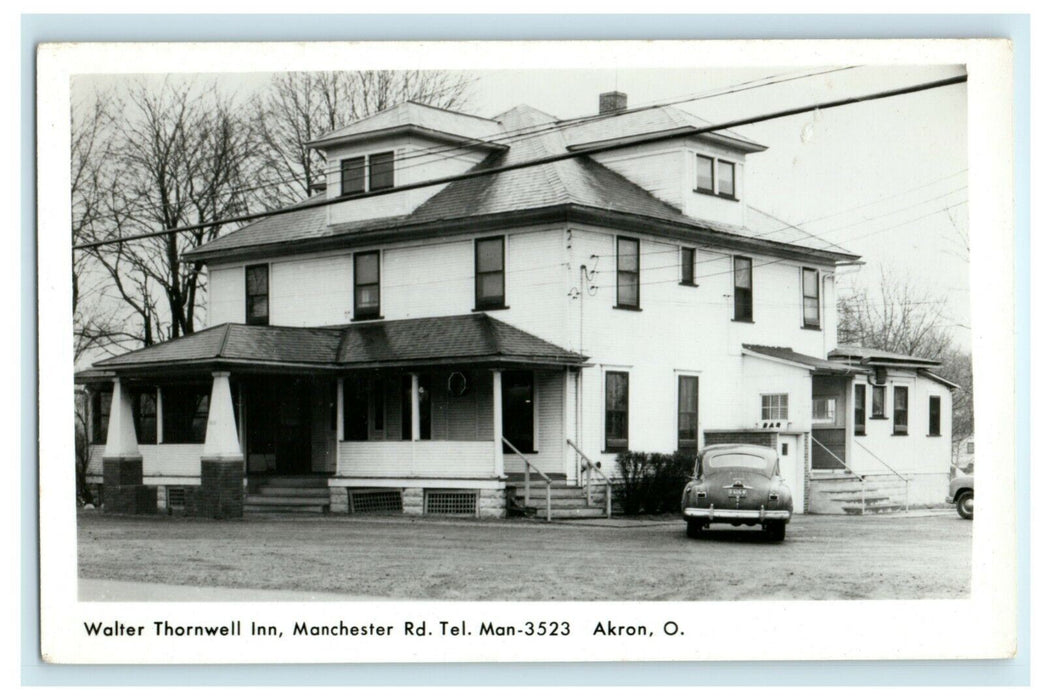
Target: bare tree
898	316
298	108
177	155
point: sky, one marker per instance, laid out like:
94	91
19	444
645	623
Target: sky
885	179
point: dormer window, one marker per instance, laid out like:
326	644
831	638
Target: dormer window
715	176
368	173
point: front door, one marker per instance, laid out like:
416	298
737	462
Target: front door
279	431
791	467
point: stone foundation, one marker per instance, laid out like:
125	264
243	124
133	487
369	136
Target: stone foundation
122	490
338	499
492	503
221	490
413	501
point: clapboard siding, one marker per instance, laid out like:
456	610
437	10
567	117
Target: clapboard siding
226	295
311	292
426	458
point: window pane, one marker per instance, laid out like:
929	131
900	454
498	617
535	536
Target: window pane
382	171
811	307
258	309
810	279
367	268
688	260
704	173
616	410
626	255
860	409
352	180
878	402
934	415
900	398
367	297
688	416
489	255
257	279
726	178
185	411
742	266
491	287
627	289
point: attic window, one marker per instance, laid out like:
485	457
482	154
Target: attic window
715	176
368	173
353	175
382	171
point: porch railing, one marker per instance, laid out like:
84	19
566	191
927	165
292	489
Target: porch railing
862	477
587	468
542	475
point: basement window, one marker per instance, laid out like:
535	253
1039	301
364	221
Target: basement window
450	503
367	501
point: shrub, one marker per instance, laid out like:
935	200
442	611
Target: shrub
652	482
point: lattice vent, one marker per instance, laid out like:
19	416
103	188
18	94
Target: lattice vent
450	502
375	501
176	497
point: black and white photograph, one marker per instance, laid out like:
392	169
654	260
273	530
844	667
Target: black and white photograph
525	352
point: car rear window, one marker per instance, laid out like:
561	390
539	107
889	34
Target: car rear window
736	460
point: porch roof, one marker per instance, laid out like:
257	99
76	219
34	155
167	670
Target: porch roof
473	339
815	364
873	356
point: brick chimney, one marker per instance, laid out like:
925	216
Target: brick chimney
609	102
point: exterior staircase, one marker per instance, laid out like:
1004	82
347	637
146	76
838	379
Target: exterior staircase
287	494
847	494
567	502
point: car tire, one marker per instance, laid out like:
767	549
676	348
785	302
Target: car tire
966	505
775	532
694	528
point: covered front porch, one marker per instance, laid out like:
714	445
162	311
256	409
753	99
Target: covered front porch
386	417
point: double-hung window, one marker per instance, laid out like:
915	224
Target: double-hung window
257	295
353	175
934	416
900	410
715	176
382	171
367	276
743	289
145	416
688	412
688	266
878	403
101	404
810	297
489	273
185	410
860	409
628	273
616	410
726	179
705	174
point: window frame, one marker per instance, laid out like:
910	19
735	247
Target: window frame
859	409
805	296
875	389
686	443
719	162
491	303
616	443
713	174
897	427
832	420
736	315
140	415
371	167
717	166
346	165
782	407
257	320
935	422
173	423
637	272
368	314
101	410
688	277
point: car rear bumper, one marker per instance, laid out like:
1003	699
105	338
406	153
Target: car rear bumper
713	514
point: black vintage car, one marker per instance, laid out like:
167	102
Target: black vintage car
738	485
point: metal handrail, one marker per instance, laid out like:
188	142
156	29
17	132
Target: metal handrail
588	467
545	477
862	477
906	481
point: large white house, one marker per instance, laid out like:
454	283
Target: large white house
415	350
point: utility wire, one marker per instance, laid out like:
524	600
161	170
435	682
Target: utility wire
546	160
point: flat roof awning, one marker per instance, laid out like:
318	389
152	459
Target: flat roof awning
472	339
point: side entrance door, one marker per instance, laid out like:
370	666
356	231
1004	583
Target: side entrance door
791	466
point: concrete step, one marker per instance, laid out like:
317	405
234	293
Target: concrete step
258	500
567	513
318	492
264	509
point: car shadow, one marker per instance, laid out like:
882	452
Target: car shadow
727	533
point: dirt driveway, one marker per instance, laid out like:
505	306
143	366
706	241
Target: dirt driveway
823	557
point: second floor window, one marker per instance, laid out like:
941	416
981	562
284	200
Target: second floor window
257	295
627	273
367	268
900	411
489	273
688	266
775	407
810	297
743	289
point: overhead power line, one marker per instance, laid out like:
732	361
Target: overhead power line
546	160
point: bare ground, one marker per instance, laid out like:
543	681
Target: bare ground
823	558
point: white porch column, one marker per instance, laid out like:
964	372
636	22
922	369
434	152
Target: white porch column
159	415
498	425
222	440
121	440
415	434
340	409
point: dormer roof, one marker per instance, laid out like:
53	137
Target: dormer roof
416	118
